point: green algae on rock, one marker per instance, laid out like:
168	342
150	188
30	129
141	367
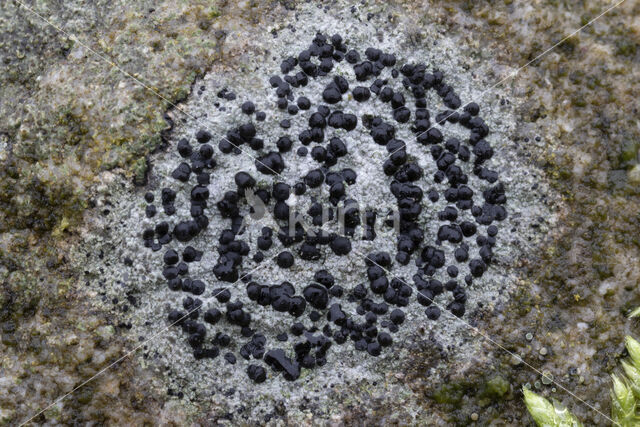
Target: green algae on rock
68	113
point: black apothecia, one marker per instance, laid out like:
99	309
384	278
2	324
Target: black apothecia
467	222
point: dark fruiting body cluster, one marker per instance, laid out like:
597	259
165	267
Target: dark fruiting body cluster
380	299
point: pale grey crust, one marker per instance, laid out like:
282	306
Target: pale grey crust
214	385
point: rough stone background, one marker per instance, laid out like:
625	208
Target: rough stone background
68	118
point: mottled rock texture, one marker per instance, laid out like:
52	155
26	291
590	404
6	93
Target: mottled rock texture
67	117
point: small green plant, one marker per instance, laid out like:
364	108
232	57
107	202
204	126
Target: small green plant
625	396
635	313
547	414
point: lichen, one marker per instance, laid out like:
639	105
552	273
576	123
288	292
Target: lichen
360	380
573	297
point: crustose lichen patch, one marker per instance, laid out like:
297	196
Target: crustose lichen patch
325	313
302	228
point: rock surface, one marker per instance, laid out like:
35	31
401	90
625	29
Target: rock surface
76	133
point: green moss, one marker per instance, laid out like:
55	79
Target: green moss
84	395
486	389
497	387
140	169
579	101
626	47
450	393
629	153
70	130
213	12
569	46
